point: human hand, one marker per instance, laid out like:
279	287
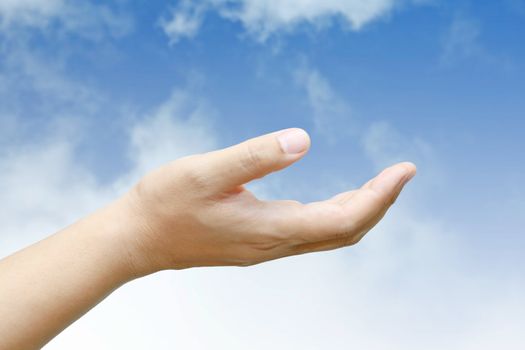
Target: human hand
195	211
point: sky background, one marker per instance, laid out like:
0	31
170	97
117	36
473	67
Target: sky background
95	94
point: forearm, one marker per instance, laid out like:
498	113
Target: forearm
50	284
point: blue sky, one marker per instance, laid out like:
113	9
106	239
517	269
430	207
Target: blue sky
93	95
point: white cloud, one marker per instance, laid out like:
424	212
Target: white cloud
40	175
263	18
29	12
332	116
85	19
44	186
184	21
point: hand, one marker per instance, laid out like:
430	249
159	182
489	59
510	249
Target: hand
195	210
191	212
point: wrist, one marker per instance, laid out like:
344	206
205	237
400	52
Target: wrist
128	237
114	231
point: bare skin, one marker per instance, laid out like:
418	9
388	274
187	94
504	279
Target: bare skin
191	212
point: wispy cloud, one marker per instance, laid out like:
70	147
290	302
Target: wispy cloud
84	19
29	12
184	21
181	126
264	18
332	116
46	186
462	40
334	119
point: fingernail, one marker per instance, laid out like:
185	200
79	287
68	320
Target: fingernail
294	141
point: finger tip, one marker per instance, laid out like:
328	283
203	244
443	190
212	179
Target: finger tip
411	169
306	136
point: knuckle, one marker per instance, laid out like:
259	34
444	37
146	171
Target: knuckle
377	196
187	169
251	159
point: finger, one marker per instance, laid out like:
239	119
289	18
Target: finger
382	190
254	158
343	218
346	196
330	244
346	240
343	197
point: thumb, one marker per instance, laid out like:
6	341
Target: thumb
255	158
